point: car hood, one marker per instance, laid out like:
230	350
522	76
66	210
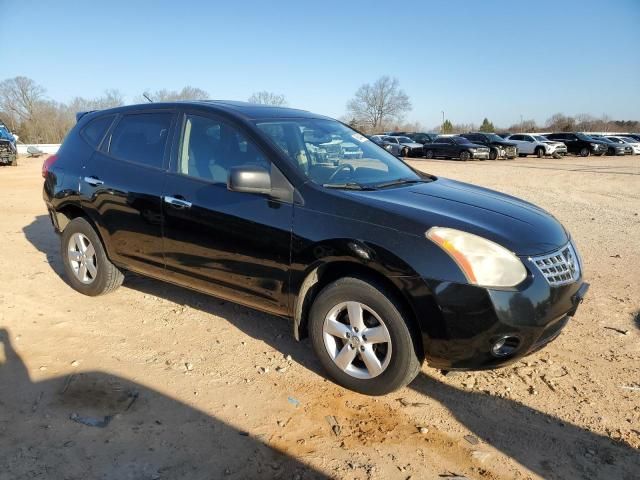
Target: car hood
505	144
515	224
412	144
552	142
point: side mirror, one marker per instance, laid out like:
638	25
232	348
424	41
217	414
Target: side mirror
249	179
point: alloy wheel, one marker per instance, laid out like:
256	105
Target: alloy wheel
357	340
82	258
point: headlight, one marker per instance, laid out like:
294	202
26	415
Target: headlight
594	145
482	261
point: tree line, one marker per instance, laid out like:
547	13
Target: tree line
375	107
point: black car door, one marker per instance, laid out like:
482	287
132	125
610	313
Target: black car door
121	189
231	244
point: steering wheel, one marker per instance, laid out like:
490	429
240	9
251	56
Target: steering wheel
346	166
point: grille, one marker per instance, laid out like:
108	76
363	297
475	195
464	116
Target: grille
511	150
560	267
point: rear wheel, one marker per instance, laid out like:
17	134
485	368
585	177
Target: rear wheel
361	338
86	266
465	155
429	154
584	152
14	162
540	152
493	154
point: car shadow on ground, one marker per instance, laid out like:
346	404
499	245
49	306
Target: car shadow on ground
96	425
526	435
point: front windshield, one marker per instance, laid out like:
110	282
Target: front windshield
495	138
584	137
405	140
615	139
330	153
541	138
460	140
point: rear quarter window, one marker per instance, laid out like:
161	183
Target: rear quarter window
141	138
94	131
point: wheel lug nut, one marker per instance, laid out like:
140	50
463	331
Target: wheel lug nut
348	335
362	348
355	329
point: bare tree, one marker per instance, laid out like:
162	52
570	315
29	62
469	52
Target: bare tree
18	99
381	102
268	98
561	122
164	95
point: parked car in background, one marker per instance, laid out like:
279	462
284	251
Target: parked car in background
393	148
409	148
380	265
633	143
534	144
628	149
421	137
503	134
635	136
8	149
455	147
614	148
498	146
579	143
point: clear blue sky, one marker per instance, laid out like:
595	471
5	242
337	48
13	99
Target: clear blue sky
469	58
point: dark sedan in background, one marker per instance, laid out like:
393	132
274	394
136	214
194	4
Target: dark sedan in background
456	147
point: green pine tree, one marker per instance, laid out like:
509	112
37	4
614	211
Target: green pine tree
487	126
447	127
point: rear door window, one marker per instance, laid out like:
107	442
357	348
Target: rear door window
94	131
141	138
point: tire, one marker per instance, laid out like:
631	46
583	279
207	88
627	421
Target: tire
99	276
585	152
611	152
405	152
429	154
464	156
493	154
394	359
14	162
540	152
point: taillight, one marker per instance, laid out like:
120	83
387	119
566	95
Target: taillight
46	165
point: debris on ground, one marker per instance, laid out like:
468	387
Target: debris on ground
100	422
619	330
406	403
333	423
473	440
293	401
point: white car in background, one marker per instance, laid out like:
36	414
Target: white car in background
534	144
632	142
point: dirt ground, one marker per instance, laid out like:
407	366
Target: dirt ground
193	387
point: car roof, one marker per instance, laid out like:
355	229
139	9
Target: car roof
245	110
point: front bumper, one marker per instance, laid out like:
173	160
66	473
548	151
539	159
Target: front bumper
472	319
483	155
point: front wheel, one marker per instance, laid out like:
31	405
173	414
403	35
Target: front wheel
86	266
584	152
361	338
465	156
540	152
429	154
405	152
493	154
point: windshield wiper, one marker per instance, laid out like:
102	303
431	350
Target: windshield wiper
347	186
400	181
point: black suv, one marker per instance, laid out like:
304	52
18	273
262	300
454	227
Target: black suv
380	264
580	144
498	146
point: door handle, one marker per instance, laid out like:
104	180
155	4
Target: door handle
177	202
93	181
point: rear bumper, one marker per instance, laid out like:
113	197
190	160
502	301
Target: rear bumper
473	319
